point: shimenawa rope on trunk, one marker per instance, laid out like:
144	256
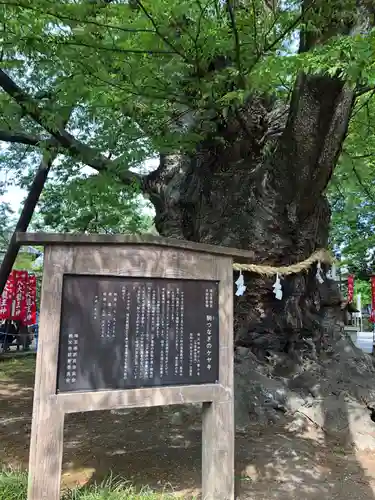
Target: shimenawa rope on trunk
321	255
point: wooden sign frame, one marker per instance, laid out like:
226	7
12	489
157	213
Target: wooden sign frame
132	257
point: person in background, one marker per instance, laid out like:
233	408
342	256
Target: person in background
24	338
8	332
35	330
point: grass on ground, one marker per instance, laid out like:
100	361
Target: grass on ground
13	486
11	367
13	483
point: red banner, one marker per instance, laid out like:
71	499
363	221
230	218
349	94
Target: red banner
350	288
372	315
30	302
20	286
6	300
18	301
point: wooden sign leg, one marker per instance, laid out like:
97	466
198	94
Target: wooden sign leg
218	451
46	449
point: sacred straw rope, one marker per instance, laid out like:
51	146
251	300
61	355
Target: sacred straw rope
321	255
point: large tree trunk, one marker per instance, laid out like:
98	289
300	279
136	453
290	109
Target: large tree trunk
266	195
264	191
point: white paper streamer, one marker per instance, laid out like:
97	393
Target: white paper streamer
319	273
240	285
277	288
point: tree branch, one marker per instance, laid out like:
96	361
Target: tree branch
237	45
362	184
255	30
339	189
64	17
359	157
279	38
73	146
312	140
160	34
19	138
364	90
113	49
365	103
54	41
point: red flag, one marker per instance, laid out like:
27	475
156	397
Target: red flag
6	300
350	288
372	315
30	316
20	286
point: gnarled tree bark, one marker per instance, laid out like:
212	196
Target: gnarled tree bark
266	194
263	195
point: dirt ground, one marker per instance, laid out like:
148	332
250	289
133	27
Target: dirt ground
162	448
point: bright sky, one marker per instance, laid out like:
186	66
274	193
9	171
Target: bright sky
14	195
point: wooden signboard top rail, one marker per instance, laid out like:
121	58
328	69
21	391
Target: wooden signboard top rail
130	322
241	256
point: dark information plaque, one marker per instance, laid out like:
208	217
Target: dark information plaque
122	333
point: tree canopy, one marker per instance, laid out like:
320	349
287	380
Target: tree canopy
93	204
137	78
352	193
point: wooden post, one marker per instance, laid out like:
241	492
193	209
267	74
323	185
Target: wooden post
46	445
218	433
46	451
218	451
